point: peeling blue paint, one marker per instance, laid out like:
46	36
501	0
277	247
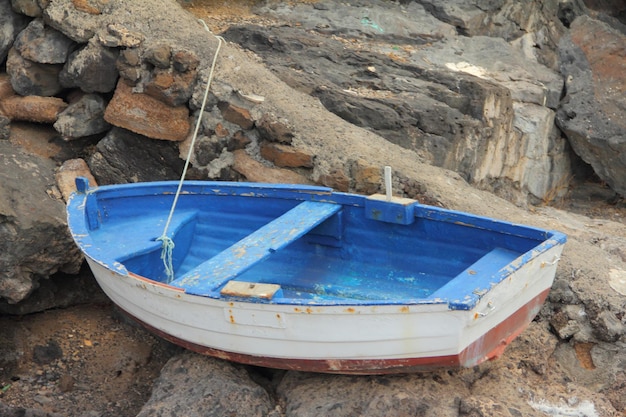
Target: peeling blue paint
329	248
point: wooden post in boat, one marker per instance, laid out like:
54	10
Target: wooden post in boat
388	191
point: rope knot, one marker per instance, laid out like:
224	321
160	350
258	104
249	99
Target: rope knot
166	256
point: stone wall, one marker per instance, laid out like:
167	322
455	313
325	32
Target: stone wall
107	85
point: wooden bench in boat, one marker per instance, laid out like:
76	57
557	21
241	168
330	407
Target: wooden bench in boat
475	279
233	261
142	234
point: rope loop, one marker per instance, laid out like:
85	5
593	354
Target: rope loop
166	257
167	242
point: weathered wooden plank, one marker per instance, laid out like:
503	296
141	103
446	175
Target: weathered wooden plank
236	259
251	290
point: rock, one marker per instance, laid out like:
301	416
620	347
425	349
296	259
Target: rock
478	406
366	113
143	114
30	8
68	172
43	44
239	140
131	67
617	280
172	76
91	68
608	326
117	35
237	115
66	383
124	157
7	411
611	7
436	393
65	17
367	178
33	108
171	87
207	149
593	111
5	129
42	140
285	156
543	161
30	78
36	245
213	125
274	130
532	23
336	179
159	55
185	61
6	90
564	326
60	290
44	354
254	171
462	111
367	19
11	23
184	388
532	350
83	117
599	371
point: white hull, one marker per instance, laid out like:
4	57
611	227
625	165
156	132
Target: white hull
336	338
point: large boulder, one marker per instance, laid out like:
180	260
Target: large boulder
123	157
479	106
593	111
34	239
11	23
197	386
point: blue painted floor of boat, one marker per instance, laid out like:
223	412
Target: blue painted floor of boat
311	273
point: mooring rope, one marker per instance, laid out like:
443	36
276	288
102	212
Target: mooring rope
167	243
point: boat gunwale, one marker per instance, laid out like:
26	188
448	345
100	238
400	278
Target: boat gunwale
546	239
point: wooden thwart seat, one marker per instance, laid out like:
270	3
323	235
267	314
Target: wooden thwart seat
236	259
143	235
475	279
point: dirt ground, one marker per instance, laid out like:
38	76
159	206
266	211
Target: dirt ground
88	360
80	361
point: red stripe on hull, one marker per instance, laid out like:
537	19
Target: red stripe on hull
490	346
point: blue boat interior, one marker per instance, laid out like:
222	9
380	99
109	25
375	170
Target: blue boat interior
316	246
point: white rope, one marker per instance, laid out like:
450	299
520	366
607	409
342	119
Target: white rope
167	242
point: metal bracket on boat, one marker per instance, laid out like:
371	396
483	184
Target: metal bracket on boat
554	261
82	184
91	209
490	308
395	210
244	289
387	208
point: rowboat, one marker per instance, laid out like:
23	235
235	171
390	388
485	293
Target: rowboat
304	278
